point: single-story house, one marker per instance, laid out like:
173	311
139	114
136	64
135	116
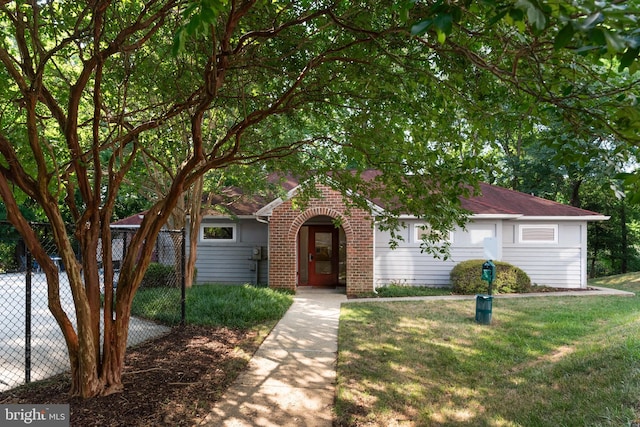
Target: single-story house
262	240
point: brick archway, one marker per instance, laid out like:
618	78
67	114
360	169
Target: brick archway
284	226
313	212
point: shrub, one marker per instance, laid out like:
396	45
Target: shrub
160	276
7	257
466	278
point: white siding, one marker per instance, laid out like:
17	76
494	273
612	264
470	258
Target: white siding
561	264
407	265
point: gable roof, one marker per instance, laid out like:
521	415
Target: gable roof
234	201
132	221
492	202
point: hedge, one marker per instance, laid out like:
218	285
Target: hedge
466	278
160	276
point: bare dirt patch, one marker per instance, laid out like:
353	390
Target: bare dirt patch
172	380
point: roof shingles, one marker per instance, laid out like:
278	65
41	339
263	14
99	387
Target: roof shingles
495	199
492	200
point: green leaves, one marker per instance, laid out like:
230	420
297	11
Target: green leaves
591	28
200	15
592	21
628	58
441	19
535	15
564	36
601	28
441	24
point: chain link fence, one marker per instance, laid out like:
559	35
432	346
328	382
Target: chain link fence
31	344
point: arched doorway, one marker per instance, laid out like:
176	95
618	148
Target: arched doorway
321	253
355	265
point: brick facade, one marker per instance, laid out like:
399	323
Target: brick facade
284	226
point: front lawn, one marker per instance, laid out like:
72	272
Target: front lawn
394	291
213	305
552	361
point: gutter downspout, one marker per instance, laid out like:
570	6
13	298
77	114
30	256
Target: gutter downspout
265	220
373	250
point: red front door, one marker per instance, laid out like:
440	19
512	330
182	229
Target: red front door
322	255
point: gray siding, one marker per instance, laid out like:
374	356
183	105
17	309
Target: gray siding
231	262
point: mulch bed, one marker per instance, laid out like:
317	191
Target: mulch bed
173	380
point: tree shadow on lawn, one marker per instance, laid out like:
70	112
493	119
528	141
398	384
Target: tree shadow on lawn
532	366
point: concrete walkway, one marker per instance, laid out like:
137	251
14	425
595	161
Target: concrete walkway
592	291
291	379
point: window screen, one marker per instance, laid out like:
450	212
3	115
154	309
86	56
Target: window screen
218	232
539	233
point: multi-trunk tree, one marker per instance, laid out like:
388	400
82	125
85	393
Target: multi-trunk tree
299	86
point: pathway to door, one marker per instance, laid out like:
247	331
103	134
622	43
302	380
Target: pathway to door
291	378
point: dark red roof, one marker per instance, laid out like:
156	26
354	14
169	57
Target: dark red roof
130	221
498	200
233	201
492	200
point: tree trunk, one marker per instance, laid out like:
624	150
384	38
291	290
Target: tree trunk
575	193
190	267
115	349
195	209
624	250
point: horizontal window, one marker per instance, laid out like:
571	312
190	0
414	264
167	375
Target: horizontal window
424	232
478	235
539	234
218	233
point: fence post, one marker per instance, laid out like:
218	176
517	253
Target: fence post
27	319
183	266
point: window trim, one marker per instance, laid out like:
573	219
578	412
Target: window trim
474	241
420	228
233	227
524	227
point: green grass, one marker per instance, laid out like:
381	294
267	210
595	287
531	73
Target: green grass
390	291
625	282
552	361
214	305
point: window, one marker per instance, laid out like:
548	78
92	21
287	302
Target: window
424	231
478	235
218	233
539	234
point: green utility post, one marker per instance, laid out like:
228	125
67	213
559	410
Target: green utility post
484	303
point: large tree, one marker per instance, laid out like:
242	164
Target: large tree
280	85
